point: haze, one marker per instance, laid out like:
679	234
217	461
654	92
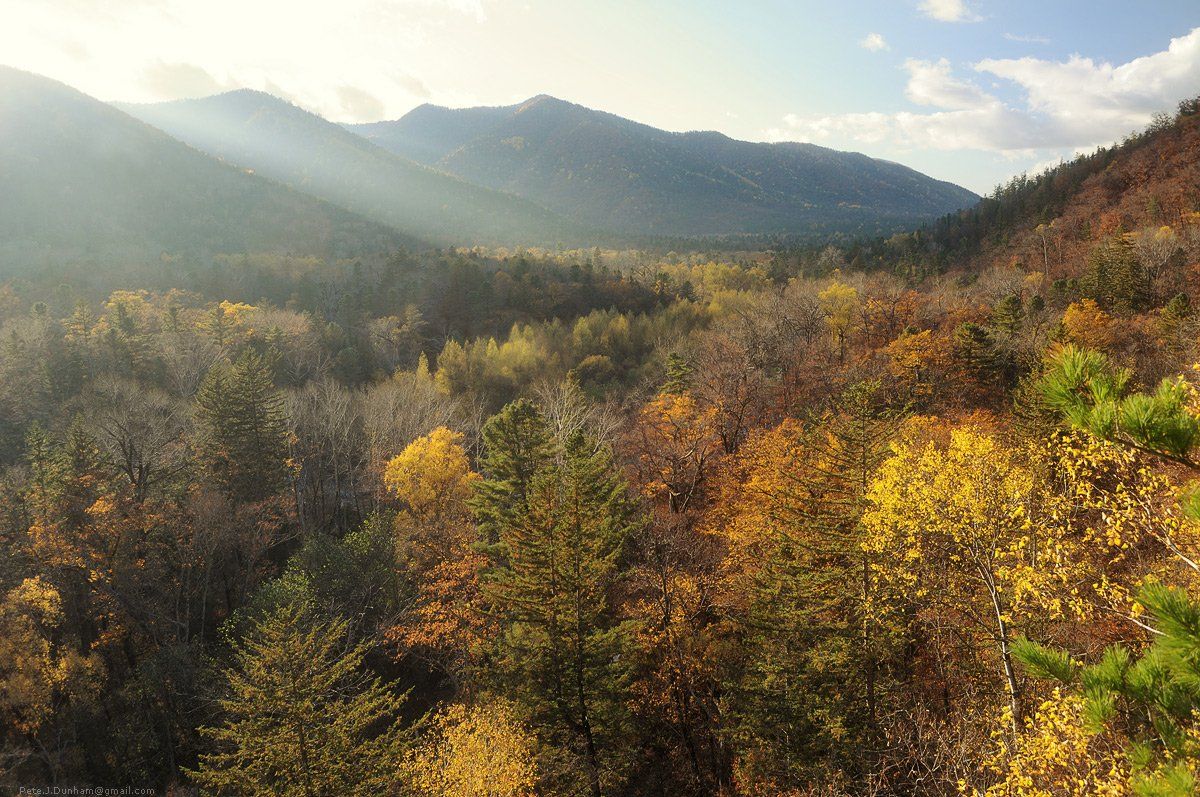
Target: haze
971	92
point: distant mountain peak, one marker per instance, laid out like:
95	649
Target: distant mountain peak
616	173
296	147
542	99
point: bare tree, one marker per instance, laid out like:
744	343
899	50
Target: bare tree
142	430
327	427
398	411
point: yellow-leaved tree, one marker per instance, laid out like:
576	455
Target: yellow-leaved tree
432	478
1056	755
840	303
433	481
952	530
37	673
477	751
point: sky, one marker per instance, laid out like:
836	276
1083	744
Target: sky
972	91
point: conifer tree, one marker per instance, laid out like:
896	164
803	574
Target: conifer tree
247	435
814	650
1153	698
516	444
679	375
301	718
552	585
1008	314
1115	278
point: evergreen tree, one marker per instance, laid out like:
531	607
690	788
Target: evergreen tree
1179	308
1008	314
552	587
679	375
1154	698
516	444
980	358
301	718
247	436
1115	278
811	690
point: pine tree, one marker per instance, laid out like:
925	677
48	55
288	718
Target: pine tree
301	718
1115	278
980	358
553	591
1152	699
247	428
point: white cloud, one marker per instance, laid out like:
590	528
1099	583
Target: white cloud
1083	95
874	42
1072	104
931	83
948	10
359	105
177	81
1013	37
351	61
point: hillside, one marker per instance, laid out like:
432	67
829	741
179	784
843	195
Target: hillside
1050	222
79	178
636	179
274	138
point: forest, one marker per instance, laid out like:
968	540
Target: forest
912	516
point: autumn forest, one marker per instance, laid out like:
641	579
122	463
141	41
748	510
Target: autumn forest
888	508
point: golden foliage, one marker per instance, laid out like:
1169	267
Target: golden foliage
1087	325
1055	755
35	672
677	445
432	477
481	751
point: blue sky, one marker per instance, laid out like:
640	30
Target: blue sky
972	91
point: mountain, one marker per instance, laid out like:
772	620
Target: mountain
276	139
79	178
621	175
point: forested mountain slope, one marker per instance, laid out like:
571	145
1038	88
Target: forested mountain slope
1051	221
79	178
636	179
258	131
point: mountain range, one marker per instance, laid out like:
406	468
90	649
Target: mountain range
628	177
245	171
300	149
79	178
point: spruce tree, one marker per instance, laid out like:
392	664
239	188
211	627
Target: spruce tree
1115	279
301	718
679	375
562	651
247	433
813	684
516	444
1008	314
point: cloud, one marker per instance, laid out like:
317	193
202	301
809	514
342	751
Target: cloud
931	83
874	42
1077	104
1013	37
176	81
948	11
413	85
359	105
